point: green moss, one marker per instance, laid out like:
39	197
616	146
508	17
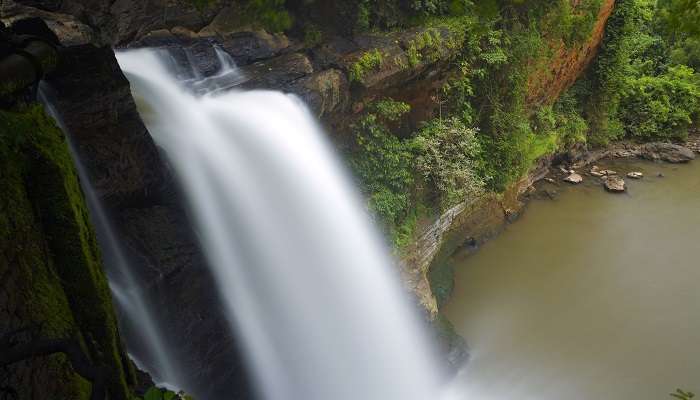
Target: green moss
72	298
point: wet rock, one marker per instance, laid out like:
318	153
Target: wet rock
325	92
668	152
69	30
94	99
331	52
573	178
249	47
550	180
277	72
595	171
607	172
635	175
614	184
127	20
190	314
452	346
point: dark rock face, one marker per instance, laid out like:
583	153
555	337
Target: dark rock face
185	297
122	21
69	30
668	152
248	47
276	72
325	92
52	286
94	98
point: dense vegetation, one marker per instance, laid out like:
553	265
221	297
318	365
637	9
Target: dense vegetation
642	86
492	126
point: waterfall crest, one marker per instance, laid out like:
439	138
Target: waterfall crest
304	278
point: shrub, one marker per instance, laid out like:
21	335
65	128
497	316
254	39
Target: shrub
383	165
663	106
447	155
367	62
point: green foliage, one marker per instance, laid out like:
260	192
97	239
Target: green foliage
155	393
383	165
271	14
662	106
363	14
572	24
369	61
679	18
639	87
389	110
612	67
447	154
312	35
391	14
426	45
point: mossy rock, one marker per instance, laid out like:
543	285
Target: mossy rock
50	254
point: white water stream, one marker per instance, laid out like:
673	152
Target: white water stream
305	279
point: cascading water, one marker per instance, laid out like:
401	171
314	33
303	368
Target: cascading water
145	341
305	280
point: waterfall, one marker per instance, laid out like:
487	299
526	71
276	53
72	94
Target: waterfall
145	342
305	280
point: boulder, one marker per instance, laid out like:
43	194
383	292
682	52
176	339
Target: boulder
635	175
574	178
276	73
248	47
325	92
668	152
614	184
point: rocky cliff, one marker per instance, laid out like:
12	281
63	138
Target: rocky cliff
339	74
53	288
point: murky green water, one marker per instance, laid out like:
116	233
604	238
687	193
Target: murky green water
591	296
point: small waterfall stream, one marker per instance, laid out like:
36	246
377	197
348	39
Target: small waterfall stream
305	280
146	343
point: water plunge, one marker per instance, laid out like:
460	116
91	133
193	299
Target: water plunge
304	278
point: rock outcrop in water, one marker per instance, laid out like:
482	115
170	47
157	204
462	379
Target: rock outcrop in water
668	152
614	183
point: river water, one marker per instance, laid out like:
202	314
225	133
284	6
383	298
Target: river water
589	296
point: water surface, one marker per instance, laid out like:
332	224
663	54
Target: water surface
590	296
